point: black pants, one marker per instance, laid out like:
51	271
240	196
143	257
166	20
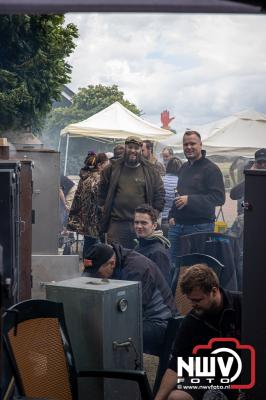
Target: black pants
122	232
153	336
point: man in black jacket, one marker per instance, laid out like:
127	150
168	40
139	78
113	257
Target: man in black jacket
125	184
216	313
105	261
151	242
237	192
200	190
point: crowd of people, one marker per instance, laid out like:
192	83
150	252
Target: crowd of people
132	210
182	196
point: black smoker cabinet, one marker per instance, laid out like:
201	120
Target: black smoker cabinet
254	275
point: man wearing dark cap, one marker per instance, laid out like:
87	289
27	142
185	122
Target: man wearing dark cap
114	261
260	159
237	192
124	185
119	151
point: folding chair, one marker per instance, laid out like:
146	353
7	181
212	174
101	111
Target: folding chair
39	351
182	263
221	246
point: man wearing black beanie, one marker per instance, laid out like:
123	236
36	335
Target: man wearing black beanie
115	262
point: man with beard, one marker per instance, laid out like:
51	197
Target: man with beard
147	152
124	185
215	313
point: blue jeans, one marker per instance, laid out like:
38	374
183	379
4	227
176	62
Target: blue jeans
175	231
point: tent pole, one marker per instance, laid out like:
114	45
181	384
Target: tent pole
66	154
59	144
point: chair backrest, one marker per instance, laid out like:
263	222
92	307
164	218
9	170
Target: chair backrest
37	344
183	262
39	351
224	248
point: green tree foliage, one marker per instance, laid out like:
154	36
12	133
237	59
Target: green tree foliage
32	67
87	102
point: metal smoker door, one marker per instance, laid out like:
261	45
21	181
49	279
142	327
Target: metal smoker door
123	339
9	234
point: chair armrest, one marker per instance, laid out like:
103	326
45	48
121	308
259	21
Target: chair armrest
138	376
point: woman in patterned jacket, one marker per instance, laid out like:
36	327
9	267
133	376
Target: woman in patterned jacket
85	214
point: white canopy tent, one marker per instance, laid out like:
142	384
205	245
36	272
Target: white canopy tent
240	134
114	122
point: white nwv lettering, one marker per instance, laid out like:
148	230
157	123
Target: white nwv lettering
204	366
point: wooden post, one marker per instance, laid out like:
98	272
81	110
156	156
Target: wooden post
4	149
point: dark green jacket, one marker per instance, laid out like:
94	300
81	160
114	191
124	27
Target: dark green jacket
108	183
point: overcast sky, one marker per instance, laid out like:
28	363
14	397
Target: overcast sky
199	67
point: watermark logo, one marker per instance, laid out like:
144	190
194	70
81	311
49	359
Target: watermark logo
220	362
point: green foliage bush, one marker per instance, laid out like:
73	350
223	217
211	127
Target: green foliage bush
33	69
